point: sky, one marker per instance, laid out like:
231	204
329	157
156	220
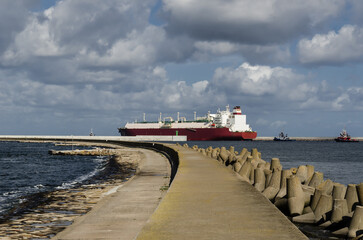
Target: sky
67	67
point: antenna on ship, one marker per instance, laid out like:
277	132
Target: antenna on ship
178	116
195	116
144	117
160	118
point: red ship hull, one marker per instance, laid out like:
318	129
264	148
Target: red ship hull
345	139
193	134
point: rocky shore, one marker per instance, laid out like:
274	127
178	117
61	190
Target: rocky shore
43	215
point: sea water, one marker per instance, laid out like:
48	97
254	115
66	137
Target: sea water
27	168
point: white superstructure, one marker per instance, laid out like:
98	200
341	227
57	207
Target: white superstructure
235	121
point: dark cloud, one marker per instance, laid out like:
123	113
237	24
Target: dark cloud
97	24
250	22
13	18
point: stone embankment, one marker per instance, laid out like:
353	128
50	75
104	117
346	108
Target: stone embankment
300	193
87	152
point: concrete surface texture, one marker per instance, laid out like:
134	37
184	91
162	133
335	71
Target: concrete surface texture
208	201
122	215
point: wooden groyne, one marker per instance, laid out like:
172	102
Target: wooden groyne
301	193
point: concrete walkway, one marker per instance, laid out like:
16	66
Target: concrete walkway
122	215
208	201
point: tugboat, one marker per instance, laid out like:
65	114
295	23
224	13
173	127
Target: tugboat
283	137
345	137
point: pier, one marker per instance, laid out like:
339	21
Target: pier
205	200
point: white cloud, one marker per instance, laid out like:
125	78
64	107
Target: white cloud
333	48
259	81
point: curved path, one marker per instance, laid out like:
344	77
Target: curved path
122	215
208	201
205	201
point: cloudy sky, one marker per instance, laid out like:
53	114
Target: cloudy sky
69	66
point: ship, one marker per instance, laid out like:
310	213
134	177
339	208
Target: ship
283	137
221	126
345	137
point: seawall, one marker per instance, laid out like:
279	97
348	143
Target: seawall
205	200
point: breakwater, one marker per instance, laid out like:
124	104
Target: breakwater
205	195
301	192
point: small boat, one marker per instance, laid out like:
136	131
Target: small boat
345	137
283	137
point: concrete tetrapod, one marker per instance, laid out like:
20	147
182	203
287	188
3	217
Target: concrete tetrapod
237	166
339	191
308	192
274	187
295	196
360	193
316	179
224	154
284	175
245	171
325	205
215	153
305	218
259	179
310	173
254	153
268	174
351	196
231	159
326	186
357	222
231	149
340	209
252	173
275	164
316	198
243	152
302	173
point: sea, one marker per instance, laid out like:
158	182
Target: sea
27	168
